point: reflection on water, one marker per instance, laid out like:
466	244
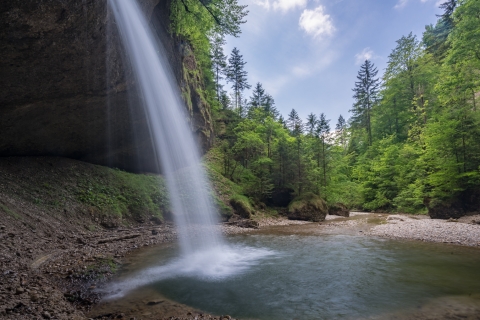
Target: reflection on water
316	277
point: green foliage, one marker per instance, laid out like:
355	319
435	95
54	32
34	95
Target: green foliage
124	194
411	141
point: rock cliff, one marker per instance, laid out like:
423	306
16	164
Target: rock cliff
66	88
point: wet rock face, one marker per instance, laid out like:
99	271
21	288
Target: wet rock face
66	88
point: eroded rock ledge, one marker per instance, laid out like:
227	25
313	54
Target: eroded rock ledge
66	89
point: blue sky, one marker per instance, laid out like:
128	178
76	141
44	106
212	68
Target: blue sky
307	53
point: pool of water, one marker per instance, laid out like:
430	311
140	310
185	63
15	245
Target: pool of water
315	276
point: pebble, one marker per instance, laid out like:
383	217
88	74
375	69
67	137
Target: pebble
432	230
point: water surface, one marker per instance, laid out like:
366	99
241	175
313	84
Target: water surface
321	277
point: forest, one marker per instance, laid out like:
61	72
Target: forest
411	140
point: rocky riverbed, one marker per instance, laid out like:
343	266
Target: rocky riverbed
464	231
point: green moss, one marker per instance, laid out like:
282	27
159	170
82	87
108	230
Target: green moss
306	198
242	206
122	194
8	211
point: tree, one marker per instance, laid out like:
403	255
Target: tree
237	76
228	15
322	131
263	101
435	38
219	61
224	100
294	123
224	16
366	95
311	123
447	16
340	129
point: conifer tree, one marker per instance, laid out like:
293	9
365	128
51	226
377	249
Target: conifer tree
366	94
219	62
224	100
294	123
264	101
311	123
322	130
340	128
237	76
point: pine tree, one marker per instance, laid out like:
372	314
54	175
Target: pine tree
311	123
264	101
237	75
224	100
258	96
219	62
366	95
322	131
340	128
294	123
282	121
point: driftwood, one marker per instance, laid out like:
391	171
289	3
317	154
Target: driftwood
130	236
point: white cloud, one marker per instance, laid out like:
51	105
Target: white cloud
366	54
282	5
301	71
316	22
400	4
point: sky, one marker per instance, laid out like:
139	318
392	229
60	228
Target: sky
307	53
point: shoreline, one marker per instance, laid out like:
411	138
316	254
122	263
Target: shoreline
60	281
464	231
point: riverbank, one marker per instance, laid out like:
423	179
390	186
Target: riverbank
464	231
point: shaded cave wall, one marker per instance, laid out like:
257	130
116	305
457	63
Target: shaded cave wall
66	88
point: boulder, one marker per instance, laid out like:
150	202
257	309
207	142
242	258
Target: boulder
308	207
466	202
445	210
338	209
241	205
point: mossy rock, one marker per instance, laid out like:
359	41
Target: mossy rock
224	210
438	209
242	206
338	209
308	207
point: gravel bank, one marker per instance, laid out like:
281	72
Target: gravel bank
465	231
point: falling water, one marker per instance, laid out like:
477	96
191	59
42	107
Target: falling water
172	138
204	254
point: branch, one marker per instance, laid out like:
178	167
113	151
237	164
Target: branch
211	13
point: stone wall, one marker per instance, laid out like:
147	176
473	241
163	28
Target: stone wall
67	90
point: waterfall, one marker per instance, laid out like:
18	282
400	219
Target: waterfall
204	254
194	213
